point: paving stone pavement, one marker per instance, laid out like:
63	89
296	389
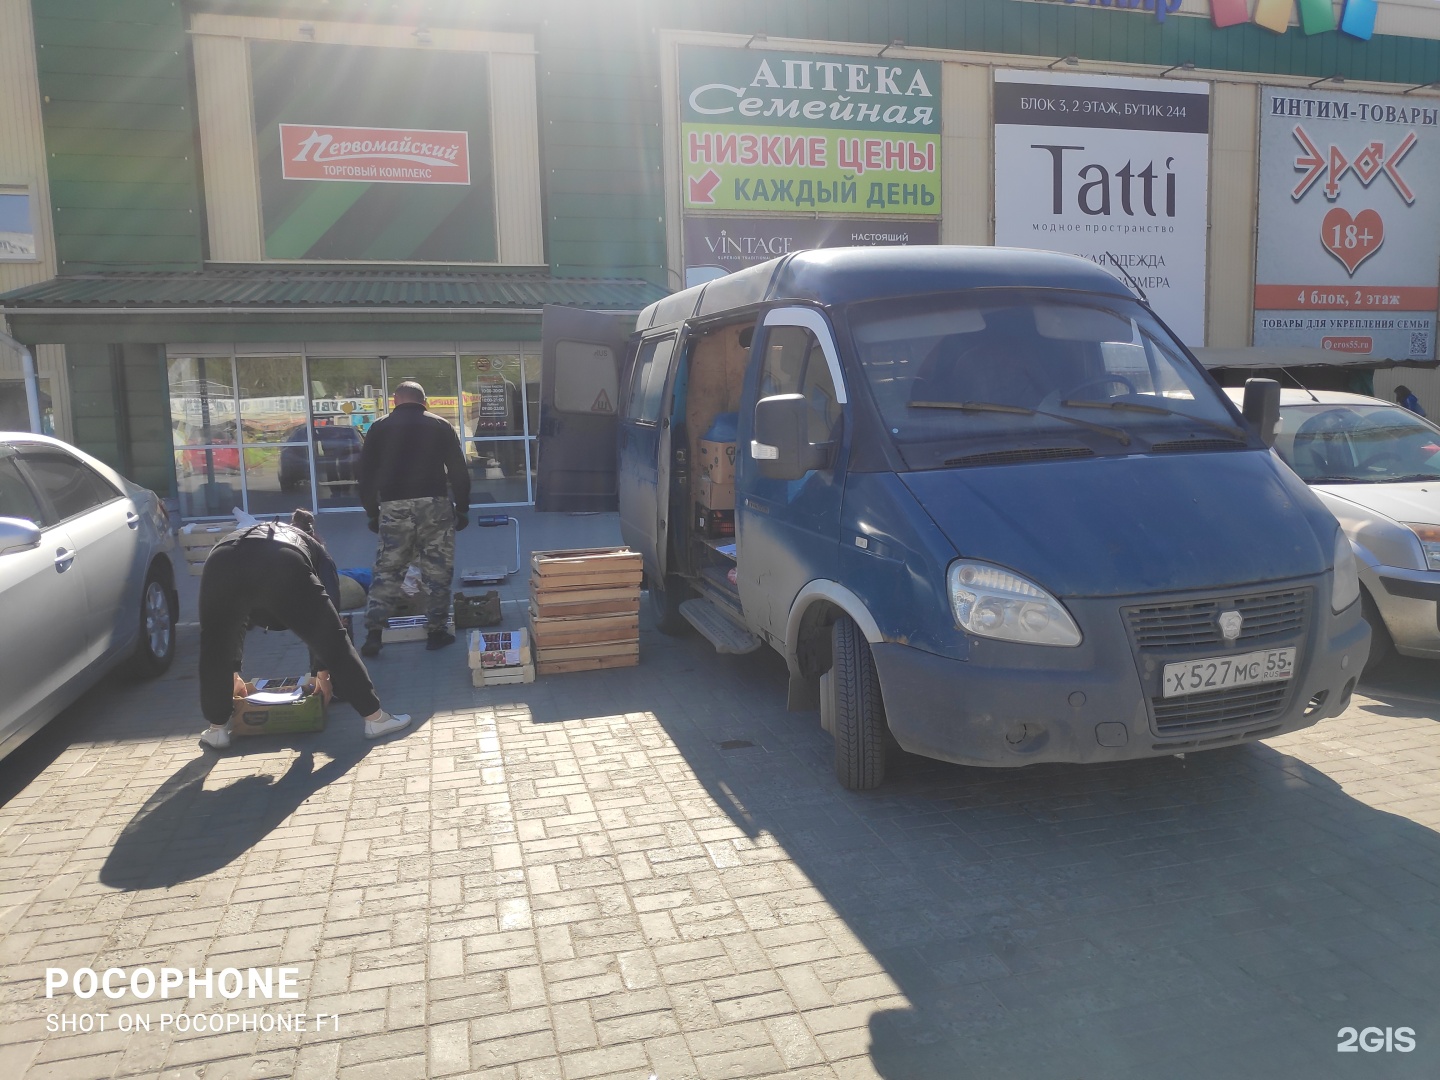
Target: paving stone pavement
652	871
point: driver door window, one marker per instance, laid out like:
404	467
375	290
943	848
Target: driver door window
795	364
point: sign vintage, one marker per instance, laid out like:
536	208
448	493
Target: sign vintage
1115	170
784	132
720	244
1348	247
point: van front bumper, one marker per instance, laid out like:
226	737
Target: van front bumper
1000	708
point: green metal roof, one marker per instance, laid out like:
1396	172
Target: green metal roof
306	289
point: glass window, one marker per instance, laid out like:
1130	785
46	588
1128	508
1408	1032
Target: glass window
1358	443
348	392
586	379
818	386
647	385
532	393
16	498
437	375
71	486
15	406
785	350
493	402
272	399
202	401
957	375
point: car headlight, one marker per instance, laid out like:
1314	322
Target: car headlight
993	602
1429	537
1347	576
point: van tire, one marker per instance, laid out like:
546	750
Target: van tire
1382	645
665	601
859	710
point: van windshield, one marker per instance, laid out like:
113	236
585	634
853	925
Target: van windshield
1028	373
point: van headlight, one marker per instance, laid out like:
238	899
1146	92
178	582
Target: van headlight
1429	537
1346	589
990	601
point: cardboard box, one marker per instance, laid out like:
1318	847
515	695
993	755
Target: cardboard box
307	714
717	461
714	495
714	523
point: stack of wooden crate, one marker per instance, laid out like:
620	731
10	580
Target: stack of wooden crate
497	657
198	539
585	609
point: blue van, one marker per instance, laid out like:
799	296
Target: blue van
985	504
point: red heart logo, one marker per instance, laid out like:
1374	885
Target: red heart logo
1352	240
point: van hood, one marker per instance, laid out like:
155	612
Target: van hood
1137	524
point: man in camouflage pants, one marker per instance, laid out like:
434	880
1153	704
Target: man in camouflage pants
407	460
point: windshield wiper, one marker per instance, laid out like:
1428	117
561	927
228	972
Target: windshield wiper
1016	410
1335	480
1409	478
1156	410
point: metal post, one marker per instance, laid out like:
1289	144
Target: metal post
32	381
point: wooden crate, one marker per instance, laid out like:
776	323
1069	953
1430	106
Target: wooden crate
584	630
407	628
584	568
557	660
585	609
565	603
503	676
198	539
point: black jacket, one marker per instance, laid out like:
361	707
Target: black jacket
320	561
409	455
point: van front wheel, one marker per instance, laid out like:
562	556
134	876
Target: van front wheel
859	711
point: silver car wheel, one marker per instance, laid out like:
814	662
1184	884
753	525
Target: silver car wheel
158	625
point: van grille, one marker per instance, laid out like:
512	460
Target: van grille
1190	624
1198	714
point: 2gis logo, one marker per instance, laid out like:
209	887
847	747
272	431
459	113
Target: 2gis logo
1373	1040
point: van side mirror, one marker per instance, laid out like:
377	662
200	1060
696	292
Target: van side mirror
780	446
1262	407
17	534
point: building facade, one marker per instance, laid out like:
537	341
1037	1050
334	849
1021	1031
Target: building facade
227	228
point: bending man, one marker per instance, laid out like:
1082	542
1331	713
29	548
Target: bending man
272	575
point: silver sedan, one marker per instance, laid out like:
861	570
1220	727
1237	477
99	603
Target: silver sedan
1376	466
86	580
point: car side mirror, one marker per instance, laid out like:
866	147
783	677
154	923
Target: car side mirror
1262	407
780	446
17	534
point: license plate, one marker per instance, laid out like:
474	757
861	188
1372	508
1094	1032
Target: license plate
1225	672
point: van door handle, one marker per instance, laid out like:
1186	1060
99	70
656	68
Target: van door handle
63	559
132	519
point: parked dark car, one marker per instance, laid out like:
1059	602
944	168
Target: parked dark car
337	456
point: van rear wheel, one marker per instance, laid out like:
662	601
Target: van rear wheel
860	726
665	601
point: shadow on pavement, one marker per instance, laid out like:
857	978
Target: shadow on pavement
185	831
1221	915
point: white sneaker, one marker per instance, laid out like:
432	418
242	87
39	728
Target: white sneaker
217	738
374	729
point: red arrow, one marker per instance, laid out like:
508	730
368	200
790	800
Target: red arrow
700	190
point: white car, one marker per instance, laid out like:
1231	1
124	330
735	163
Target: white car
86	580
1376	466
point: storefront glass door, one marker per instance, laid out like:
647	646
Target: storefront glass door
346	397
274	435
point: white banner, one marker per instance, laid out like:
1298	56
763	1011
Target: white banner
1098	166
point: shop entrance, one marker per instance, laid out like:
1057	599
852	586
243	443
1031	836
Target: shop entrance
271	433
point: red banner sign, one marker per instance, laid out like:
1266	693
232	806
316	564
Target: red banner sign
374	155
